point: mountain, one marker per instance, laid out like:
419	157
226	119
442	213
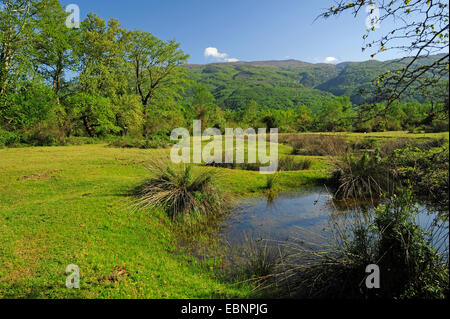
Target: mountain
284	84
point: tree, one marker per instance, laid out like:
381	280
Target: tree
31	104
421	30
203	104
336	115
249	115
101	54
15	33
53	43
156	68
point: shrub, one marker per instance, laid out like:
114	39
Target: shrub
387	148
428	171
180	192
9	138
437	126
365	144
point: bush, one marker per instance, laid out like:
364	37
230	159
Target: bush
387	148
9	138
365	144
438	126
428	171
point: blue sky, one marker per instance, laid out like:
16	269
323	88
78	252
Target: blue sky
246	30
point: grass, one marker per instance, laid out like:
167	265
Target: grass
78	214
71	205
180	192
362	177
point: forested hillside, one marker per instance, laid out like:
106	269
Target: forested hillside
283	84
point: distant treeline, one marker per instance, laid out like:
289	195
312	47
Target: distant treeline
103	80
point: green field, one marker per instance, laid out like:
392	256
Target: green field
71	205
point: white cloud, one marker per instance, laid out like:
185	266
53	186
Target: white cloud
215	54
331	60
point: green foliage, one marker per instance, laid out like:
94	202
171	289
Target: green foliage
427	169
30	104
410	266
95	112
9	138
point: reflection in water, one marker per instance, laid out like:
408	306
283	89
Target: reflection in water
305	217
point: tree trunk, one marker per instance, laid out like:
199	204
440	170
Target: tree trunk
88	126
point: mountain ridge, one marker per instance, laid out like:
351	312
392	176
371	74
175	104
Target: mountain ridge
289	83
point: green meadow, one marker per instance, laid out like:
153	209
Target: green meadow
72	205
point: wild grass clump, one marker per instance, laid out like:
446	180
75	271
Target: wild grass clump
290	163
413	261
261	259
181	192
362	177
271	182
255	261
315	145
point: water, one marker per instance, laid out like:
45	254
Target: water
305	216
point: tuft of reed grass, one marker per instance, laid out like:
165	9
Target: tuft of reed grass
180	191
290	163
362	177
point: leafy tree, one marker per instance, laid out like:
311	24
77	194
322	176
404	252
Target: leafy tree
101	57
53	43
95	112
15	34
156	68
249	114
336	115
31	104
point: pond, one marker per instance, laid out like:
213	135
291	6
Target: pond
306	216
